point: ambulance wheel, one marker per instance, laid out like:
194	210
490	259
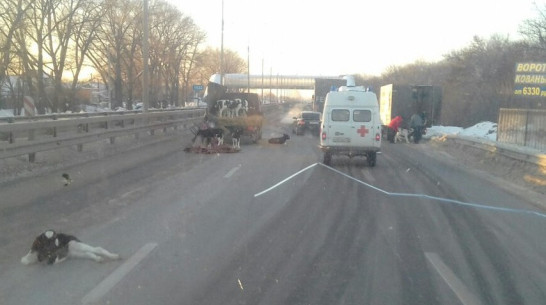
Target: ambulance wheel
371	159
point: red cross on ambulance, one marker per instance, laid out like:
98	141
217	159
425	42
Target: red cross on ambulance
362	131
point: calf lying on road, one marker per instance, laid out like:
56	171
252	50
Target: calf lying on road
53	247
279	140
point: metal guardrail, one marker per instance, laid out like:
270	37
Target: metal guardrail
31	137
55	116
525	127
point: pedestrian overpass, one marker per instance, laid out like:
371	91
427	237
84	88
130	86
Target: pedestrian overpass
290	82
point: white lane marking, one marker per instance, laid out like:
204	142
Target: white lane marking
232	171
109	282
368	175
283	181
455	284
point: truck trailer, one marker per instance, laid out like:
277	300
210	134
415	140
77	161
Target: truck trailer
406	100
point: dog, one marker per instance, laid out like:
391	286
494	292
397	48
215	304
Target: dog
401	134
52	248
279	140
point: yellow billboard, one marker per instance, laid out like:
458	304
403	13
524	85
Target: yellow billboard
530	79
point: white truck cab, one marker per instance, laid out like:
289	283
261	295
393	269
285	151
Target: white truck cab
350	124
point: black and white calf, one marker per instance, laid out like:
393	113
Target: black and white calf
209	134
236	133
240	107
234	105
222	107
232	108
53	248
279	140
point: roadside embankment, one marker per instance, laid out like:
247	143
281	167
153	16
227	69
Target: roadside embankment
520	165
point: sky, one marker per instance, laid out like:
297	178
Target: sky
331	38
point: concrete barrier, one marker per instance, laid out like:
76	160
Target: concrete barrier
516	152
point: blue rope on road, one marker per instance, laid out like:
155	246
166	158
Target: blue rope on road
446	200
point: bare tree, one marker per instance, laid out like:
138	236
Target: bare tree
11	20
189	54
66	44
209	63
534	30
111	43
35	34
480	80
86	23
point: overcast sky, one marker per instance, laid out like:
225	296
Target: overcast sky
310	37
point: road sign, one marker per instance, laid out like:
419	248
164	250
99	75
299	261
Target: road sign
28	104
198	87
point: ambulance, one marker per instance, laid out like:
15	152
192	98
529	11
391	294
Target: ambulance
350	124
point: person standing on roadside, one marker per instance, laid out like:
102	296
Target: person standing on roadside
417	123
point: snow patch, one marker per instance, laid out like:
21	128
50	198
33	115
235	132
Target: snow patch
483	130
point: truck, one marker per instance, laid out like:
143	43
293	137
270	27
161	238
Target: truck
233	110
322	87
407	100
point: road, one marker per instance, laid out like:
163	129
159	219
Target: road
271	225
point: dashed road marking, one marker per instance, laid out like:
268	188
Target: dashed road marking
232	171
115	277
455	284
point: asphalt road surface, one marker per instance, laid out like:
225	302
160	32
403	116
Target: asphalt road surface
272	225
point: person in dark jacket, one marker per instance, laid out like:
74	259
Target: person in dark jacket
417	123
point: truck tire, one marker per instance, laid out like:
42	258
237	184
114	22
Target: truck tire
259	134
327	158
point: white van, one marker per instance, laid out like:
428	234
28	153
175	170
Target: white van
351	125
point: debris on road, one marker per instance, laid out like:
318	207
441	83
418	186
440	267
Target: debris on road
217	149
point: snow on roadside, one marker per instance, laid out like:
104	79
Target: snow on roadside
483	130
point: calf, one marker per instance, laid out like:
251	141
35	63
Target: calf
401	134
233	108
279	140
241	107
53	248
210	133
236	133
223	107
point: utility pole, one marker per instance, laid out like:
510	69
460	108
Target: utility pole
248	69
222	49
262	79
145	58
